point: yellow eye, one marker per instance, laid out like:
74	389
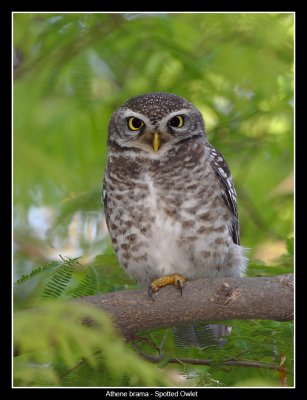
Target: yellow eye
135	124
176	122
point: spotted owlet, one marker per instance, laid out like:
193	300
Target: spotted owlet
169	198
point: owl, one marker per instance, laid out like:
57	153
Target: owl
169	199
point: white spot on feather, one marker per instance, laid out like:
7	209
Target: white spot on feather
222	172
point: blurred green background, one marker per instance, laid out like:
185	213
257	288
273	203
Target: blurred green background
71	71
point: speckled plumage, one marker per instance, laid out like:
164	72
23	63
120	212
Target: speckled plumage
174	210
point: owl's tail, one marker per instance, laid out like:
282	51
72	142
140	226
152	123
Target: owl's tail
201	335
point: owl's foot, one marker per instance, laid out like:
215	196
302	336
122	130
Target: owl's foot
175	279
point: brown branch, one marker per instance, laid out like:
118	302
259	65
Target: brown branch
227	363
202	300
196	361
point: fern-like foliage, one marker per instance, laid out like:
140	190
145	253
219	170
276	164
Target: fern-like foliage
38	271
89	284
68	278
54	348
59	279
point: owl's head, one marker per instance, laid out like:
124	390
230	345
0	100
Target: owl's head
154	122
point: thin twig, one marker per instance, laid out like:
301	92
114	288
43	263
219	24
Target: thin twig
195	361
79	363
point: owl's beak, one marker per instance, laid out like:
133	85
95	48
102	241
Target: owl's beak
156	142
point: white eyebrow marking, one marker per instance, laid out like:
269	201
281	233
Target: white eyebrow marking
130	113
165	120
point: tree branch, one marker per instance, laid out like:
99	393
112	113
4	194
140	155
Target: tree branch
202	300
228	363
196	361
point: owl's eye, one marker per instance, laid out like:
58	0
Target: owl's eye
177	121
135	124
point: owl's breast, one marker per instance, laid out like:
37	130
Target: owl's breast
162	223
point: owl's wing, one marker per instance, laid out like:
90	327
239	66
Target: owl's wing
229	194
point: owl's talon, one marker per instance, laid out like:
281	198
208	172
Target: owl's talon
150	292
175	279
179	283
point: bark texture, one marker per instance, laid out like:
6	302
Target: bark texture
202	300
